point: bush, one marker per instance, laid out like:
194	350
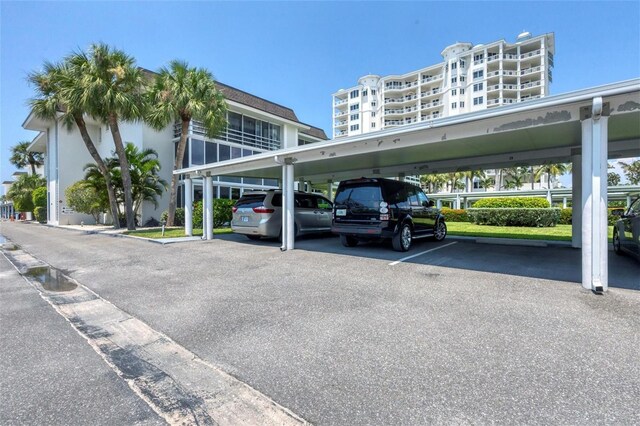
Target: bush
178	219
84	198
39	196
455	215
24	203
515	216
567	214
222	213
511	203
41	214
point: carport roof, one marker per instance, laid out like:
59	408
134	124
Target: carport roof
533	132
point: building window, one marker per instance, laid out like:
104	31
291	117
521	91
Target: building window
462	64
364	93
478	57
454	105
354	94
454	92
374	103
461	104
355	107
454	80
463	78
478	101
462	91
454	65
354	127
373	113
478	74
478	86
373	125
354	117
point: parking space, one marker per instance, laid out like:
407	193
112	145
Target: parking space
555	262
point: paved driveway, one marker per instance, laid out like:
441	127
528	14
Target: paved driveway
340	336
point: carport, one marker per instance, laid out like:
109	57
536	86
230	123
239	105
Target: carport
585	127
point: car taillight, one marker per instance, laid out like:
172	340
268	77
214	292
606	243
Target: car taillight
384	217
234	209
262	210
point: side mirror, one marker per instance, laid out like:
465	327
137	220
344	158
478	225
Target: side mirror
429	203
617	212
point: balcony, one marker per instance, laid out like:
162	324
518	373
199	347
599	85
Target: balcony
478	62
530	85
530	98
340	113
395	86
530	54
432	92
429	105
493	57
530	70
501	101
232	135
341	102
432	78
510	57
340	123
340	133
399	111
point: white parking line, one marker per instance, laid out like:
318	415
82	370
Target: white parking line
421	253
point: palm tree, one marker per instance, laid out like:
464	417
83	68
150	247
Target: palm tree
182	94
551	170
22	157
469	175
146	184
433	182
515	178
631	171
112	90
59	96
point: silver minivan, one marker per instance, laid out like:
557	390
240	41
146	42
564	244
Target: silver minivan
259	214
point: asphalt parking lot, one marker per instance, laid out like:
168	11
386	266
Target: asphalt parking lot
466	333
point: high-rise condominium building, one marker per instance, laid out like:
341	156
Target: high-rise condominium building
471	78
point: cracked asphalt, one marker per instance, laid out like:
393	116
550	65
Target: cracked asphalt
470	333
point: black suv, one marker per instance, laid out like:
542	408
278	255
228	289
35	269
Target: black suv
368	209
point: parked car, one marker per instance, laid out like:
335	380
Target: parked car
258	214
368	209
626	231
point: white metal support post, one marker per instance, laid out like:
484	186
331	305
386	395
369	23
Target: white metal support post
576	201
188	207
208	209
594	196
288	221
330	190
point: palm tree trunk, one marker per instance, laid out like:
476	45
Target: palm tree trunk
33	169
182	144
113	202
124	170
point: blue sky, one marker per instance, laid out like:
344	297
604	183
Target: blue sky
299	53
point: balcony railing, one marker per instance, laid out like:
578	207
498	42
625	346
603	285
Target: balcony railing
231	135
340	113
502	101
432	78
494	57
400	100
340	133
530	54
399	111
478	62
341	102
509	56
430	93
341	123
530	85
529	98
530	70
406	85
428	105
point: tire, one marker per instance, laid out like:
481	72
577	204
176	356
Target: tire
253	237
348	241
402	240
440	231
616	242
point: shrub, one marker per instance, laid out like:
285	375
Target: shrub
565	216
39	196
41	214
84	198
512	203
515	216
221	212
455	215
24	203
178	218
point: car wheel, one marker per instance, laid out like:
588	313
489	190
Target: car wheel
402	240
440	232
348	241
616	242
253	237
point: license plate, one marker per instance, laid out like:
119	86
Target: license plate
244	218
341	212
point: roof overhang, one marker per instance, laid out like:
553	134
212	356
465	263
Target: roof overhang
533	132
33	122
39	143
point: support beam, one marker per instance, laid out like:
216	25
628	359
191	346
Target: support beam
549	199
576	201
330	190
628	201
188	207
208	207
458	205
594	198
288	221
564	202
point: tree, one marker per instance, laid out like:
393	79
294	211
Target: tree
631	171
59	95
112	88
22	157
515	177
83	198
146	184
613	179
21	191
551	170
182	94
433	182
469	175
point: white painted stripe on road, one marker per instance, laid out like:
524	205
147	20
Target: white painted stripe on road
421	253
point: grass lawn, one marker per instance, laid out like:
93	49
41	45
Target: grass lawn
556	233
173	232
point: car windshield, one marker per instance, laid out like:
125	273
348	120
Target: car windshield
251	201
360	196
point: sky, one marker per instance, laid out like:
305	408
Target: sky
298	53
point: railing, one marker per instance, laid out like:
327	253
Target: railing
432	78
406	85
530	54
231	135
340	113
498	101
430	93
400	111
529	85
509	56
530	70
491	58
478	62
341	123
430	105
529	98
340	133
341	102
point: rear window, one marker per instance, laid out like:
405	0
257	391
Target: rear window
362	195
251	201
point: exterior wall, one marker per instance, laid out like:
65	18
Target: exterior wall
160	141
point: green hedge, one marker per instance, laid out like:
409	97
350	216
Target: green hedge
455	215
41	214
222	213
566	216
512	203
515	216
39	196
